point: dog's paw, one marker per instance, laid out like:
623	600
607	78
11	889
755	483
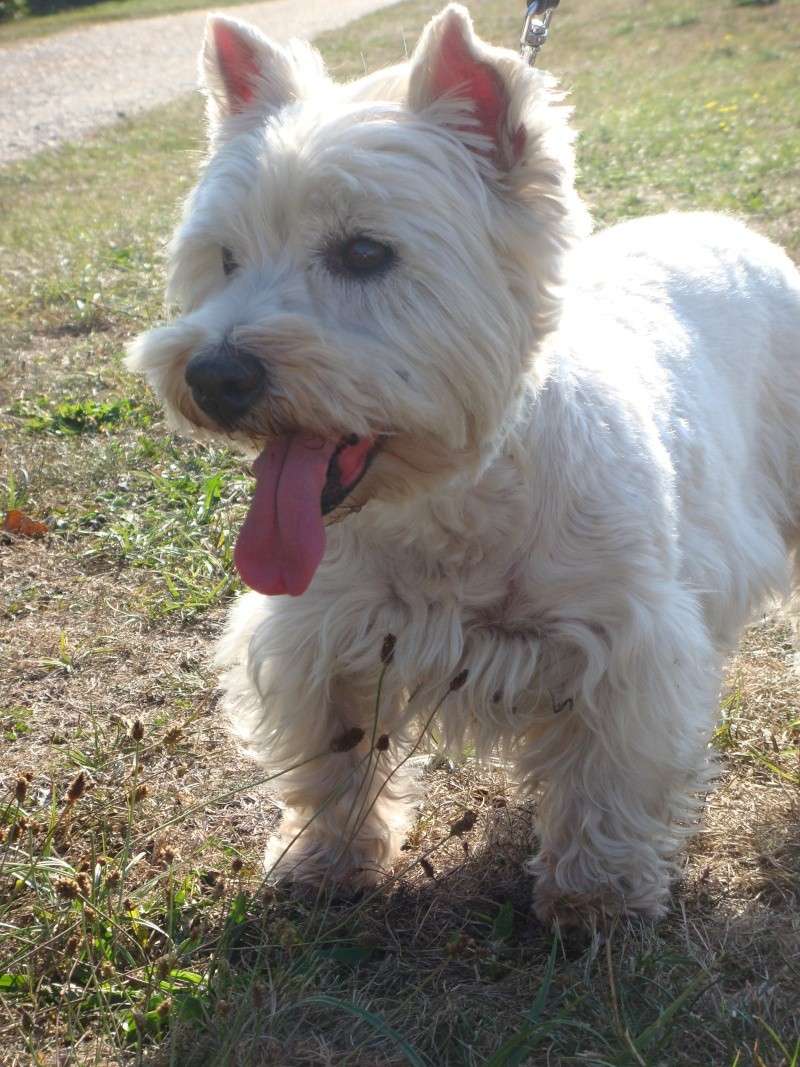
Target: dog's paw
316	861
594	906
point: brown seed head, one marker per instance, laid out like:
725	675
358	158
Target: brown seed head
464	824
164	1008
139	793
348	740
427	867
76	789
137	730
236	865
84	884
173	736
459	680
387	651
67	888
21	789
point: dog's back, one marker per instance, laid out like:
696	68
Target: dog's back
706	343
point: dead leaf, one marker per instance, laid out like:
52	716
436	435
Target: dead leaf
17	522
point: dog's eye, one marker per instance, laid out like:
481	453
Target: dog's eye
360	257
229	264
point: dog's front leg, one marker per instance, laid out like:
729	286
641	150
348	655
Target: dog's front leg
623	770
346	810
336	756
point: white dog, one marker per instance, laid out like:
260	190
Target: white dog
567	468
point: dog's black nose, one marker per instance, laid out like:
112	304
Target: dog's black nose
226	382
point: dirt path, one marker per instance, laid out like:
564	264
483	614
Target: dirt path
57	89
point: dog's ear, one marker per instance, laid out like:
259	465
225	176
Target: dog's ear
451	64
246	76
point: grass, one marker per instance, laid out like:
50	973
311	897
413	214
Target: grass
134	926
28	26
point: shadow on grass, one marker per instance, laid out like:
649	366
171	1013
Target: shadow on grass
450	967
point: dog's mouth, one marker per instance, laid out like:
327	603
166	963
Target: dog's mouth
300	478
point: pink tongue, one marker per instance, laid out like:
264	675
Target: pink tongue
282	540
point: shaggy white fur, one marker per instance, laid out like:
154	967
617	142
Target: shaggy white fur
587	469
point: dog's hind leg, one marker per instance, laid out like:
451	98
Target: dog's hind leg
332	753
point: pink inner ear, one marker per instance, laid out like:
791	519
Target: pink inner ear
238	65
458	71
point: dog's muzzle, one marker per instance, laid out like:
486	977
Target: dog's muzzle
226	382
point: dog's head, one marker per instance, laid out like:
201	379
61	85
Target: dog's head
364	274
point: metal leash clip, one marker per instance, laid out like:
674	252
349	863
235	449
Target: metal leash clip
534	31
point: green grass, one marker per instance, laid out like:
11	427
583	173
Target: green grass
107	11
170	950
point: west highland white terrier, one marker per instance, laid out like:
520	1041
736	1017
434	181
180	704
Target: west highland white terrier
562	471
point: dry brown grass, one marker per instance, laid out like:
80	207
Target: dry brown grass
181	956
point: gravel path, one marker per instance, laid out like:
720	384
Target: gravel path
58	88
